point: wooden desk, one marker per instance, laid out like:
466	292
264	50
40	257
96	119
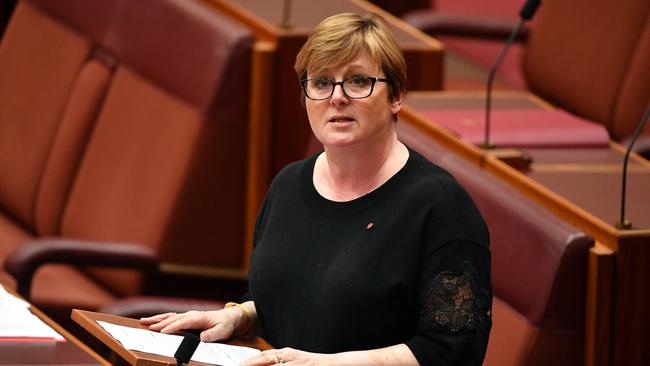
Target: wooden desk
72	352
290	127
583	187
88	320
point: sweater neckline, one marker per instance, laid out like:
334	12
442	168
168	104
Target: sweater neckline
326	207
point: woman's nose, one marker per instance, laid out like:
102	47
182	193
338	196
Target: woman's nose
338	96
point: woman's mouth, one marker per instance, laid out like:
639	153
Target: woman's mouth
340	119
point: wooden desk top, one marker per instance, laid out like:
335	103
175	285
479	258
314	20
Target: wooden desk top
585	181
71	353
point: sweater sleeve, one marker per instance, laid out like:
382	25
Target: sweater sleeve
455	306
455	284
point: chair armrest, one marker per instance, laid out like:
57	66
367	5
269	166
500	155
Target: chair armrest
460	25
23	262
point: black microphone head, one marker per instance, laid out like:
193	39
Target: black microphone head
186	349
529	9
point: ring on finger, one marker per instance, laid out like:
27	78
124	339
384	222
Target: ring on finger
278	358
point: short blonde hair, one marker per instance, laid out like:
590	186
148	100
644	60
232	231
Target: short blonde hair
340	38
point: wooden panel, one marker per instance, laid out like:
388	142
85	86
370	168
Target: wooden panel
259	139
600	291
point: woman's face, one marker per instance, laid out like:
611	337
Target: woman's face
341	121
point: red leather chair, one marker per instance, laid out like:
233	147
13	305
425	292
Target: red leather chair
562	67
131	151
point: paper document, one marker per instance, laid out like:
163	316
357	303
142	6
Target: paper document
166	345
18	322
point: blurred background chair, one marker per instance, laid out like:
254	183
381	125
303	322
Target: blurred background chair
587	59
123	143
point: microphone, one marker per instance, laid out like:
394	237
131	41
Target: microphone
622	222
186	348
526	13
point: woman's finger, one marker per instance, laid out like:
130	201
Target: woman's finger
155	318
265	358
218	332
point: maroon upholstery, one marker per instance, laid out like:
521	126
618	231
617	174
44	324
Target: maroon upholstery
33	73
468	29
133	128
567	52
563	70
539	268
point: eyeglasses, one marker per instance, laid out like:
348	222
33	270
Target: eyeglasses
356	87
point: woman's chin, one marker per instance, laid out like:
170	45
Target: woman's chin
339	142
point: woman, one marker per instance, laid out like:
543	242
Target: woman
366	253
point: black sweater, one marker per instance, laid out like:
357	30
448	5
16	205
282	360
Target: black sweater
407	263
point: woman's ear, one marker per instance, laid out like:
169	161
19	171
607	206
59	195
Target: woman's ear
396	106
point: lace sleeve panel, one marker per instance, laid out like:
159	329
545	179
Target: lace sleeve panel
454	301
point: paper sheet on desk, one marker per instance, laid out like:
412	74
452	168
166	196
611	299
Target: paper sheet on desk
17	322
166	344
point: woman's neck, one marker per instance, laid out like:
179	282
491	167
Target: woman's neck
344	174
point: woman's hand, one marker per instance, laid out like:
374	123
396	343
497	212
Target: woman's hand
398	354
215	325
290	356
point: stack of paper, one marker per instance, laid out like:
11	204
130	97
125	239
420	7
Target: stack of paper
18	323
166	345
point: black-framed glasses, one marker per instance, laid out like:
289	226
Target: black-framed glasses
356	87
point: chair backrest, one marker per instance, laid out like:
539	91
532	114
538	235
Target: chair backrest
49	94
165	165
130	124
539	268
592	59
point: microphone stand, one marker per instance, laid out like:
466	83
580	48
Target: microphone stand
286	15
488	100
513	157
622	222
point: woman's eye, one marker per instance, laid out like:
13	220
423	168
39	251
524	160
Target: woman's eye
360	81
322	83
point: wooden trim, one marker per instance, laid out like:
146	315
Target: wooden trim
203	271
635	157
259	138
264	30
442	135
560	206
397	22
589	168
599	305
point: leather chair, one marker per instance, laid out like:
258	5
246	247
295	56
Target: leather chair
135	150
539	268
560	66
473	33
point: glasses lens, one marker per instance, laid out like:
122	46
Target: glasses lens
319	88
358	86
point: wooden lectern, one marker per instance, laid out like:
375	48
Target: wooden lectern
88	320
